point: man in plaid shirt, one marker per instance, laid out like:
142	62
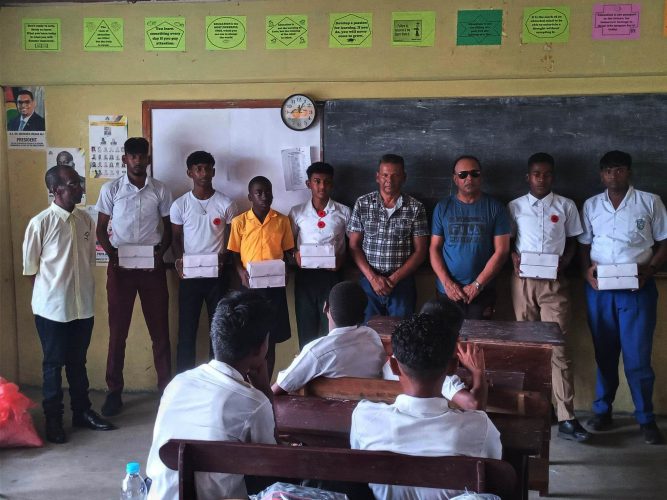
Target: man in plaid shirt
389	234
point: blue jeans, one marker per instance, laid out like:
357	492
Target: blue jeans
623	321
400	302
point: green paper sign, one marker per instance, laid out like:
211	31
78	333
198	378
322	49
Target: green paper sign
546	24
226	32
414	29
287	32
164	34
102	34
41	34
479	27
350	29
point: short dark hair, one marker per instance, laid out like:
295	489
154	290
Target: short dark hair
52	176
393	159
65	158
541	158
136	145
445	311
198	157
466	157
423	345
25	92
347	303
241	322
319	167
260	179
616	159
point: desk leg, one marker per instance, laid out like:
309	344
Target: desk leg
520	463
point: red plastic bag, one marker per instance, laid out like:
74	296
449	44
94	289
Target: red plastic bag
16	428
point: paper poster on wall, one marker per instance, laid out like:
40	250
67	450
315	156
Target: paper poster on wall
479	27
226	32
414	29
350	29
25	111
295	162
164	34
73	157
106	136
664	19
546	24
102	34
287	32
616	21
101	257
41	34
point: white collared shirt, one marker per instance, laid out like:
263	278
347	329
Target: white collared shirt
212	403
59	248
137	213
450	386
350	351
205	222
422	427
542	226
625	235
304	221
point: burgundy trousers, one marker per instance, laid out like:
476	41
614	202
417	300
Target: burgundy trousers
122	288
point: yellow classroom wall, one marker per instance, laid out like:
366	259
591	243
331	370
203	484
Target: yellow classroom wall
81	83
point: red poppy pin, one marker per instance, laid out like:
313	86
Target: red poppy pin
321	213
554	218
217	221
320	224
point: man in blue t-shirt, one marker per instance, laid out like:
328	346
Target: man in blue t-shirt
470	242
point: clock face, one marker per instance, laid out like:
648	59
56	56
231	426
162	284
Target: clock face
298	112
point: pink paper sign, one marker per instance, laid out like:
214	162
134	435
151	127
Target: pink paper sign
616	21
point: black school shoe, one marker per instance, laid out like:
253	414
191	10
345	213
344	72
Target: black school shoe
572	430
652	434
112	404
91	420
600	422
54	430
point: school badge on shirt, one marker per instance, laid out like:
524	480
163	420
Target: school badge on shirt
640	224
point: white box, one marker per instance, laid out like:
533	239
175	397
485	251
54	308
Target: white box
308	262
137	262
614	270
538	272
314	250
266	268
618	283
135	251
200	260
266	281
539	259
200	272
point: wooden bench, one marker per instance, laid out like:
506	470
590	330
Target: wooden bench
475	474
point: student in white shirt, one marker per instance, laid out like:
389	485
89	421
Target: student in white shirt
200	222
349	350
621	226
139	206
544	222
59	257
223	400
420	422
321	221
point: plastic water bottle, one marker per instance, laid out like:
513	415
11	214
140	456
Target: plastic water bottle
134	487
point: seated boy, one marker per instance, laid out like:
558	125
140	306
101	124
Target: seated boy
349	350
420	422
223	400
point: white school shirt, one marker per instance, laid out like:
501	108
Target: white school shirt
59	248
304	221
137	213
205	222
542	226
212	403
625	235
450	386
350	351
424	427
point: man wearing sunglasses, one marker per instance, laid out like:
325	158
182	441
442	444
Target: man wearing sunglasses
470	242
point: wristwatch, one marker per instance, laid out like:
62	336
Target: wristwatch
478	285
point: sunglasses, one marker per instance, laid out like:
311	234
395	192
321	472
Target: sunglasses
465	173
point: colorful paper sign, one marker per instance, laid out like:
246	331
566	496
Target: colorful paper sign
414	29
164	34
102	34
226	32
616	21
287	32
350	29
479	27
41	34
546	24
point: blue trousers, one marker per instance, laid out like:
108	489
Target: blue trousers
623	321
400	303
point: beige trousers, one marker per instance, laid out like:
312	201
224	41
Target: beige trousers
545	300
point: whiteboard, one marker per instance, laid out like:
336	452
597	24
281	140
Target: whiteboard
245	142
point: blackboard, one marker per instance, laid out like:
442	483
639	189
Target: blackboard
502	132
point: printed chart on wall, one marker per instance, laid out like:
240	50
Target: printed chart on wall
25	111
71	157
101	257
106	136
